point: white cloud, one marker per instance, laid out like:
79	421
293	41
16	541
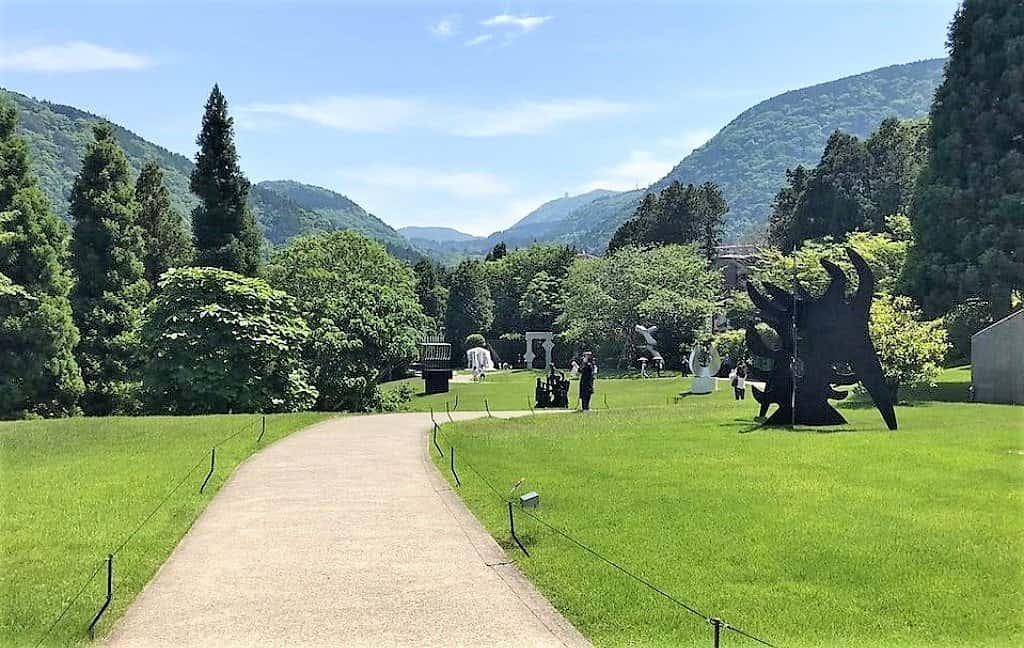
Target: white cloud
478	40
378	114
73	56
639	169
461	184
445	27
525	23
354	113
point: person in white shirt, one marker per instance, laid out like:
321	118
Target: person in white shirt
738	380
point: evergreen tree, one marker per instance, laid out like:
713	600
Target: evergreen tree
225	229
38	371
680	214
470	307
107	252
167	242
854	187
497	252
968	207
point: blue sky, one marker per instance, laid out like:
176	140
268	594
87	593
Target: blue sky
465	114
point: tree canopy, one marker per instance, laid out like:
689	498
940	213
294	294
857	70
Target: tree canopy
216	341
361	306
968	207
37	334
679	214
168	243
470	307
855	186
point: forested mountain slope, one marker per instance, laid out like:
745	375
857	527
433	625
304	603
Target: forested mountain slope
58	135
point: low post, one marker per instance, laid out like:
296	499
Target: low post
439	452
606	401
448	412
456	405
717	624
263	430
488	408
213	462
110	595
512	530
451	452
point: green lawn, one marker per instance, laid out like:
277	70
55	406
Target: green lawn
513	390
853	536
72	490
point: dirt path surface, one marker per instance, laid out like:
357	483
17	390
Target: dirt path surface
342	534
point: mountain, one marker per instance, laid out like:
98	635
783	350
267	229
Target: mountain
748	158
58	135
435	234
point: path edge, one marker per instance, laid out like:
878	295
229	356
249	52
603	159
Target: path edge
494	556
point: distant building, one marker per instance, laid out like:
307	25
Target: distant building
736	261
997	361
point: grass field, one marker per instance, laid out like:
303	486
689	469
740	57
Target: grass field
513	390
851	536
73	490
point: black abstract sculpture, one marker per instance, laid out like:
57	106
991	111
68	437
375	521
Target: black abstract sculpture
831	339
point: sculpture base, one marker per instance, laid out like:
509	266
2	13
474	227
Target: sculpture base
702	385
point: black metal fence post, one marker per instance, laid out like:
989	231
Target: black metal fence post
606	401
456	405
488	408
717	624
439	452
263	430
512	530
451	452
110	595
213	462
448	412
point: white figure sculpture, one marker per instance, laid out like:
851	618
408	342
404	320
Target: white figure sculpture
548	345
652	347
705	363
479	360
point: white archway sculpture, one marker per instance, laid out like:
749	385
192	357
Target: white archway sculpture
548	343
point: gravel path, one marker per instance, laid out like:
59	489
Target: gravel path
341	534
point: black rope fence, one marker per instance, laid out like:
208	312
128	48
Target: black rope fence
108	560
716	623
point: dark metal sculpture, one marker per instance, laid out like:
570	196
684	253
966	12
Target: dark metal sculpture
831	336
436	364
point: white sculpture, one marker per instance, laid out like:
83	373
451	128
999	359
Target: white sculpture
548	344
652	345
479	360
705	363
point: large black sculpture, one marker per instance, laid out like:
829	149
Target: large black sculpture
831	337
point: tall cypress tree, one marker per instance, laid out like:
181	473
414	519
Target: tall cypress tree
107	252
168	244
38	371
225	230
968	207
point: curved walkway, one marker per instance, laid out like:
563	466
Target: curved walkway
342	534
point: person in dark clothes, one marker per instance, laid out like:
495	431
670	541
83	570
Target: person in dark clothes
586	380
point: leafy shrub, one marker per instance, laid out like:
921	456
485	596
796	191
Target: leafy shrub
961	322
911	351
475	340
393	400
732	344
219	342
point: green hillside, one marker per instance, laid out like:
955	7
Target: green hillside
749	157
57	136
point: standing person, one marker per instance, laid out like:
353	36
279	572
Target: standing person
587	372
738	379
643	367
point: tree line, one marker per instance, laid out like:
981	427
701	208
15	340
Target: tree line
137	309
